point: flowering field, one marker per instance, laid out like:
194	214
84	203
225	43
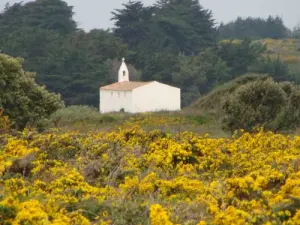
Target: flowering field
130	176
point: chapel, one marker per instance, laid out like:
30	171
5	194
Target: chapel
138	97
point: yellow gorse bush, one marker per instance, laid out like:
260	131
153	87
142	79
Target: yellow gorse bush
158	215
130	176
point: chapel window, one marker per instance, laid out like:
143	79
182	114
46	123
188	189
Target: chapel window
124	73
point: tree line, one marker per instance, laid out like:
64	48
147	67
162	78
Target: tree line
176	42
254	28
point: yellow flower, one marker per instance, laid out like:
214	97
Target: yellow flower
67	177
159	216
202	223
31	212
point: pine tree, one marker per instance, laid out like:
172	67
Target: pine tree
185	26
131	22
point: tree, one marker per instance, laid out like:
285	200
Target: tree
37	31
253	28
54	15
296	31
239	56
131	22
275	28
158	34
66	59
41	49
185	26
22	99
160	66
85	66
276	68
199	74
171	26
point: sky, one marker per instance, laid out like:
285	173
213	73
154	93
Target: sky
91	14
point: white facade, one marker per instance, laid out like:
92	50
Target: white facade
156	97
114	101
138	97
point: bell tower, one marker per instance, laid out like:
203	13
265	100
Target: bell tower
123	72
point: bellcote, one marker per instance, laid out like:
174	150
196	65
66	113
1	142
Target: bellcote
123	72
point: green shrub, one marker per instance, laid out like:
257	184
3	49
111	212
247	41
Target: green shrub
213	101
274	67
274	106
290	116
23	100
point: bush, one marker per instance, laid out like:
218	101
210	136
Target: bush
274	67
290	116
274	106
213	101
22	99
139	177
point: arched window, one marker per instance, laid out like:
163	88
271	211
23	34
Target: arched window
124	73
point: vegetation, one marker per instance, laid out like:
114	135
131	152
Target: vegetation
84	115
254	28
130	176
67	60
251	101
4	122
87	119
180	49
288	52
214	100
21	99
274	106
72	165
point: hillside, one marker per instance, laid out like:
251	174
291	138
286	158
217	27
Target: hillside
287	49
214	99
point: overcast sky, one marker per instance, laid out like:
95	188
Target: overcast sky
97	13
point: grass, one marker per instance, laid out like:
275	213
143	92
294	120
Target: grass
86	119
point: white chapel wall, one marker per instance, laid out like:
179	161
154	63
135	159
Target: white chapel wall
156	97
114	101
